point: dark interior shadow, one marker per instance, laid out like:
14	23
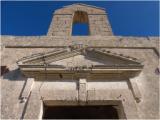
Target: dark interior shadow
80	112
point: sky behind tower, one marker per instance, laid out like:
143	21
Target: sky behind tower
29	18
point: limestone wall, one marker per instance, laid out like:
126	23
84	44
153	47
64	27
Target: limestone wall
61	25
99	25
92	41
145	49
25	46
147	81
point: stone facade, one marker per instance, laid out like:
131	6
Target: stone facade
61	69
63	19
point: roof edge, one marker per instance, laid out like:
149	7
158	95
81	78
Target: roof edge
84	5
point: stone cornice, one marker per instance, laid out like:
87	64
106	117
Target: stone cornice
92	41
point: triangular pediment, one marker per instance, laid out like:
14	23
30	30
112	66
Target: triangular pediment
84	57
78	60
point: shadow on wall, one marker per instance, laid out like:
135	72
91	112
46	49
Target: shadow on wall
15	75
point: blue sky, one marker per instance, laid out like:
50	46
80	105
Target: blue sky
126	18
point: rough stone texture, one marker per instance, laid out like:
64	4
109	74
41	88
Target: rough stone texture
93	41
101	96
34	103
61	24
28	88
65	92
11	87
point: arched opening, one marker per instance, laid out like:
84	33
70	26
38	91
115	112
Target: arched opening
80	25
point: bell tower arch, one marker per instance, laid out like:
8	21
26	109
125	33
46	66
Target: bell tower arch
80	18
63	19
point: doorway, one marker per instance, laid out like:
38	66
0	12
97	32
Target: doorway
81	112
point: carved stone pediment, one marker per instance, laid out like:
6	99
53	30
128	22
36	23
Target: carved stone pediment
80	60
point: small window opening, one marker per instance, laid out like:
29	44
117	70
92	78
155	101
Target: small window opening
61	76
4	70
157	71
80	26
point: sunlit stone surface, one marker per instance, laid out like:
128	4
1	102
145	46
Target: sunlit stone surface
62	73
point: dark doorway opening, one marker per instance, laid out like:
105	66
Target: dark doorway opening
80	112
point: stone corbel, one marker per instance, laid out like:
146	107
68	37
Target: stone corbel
82	91
27	89
135	90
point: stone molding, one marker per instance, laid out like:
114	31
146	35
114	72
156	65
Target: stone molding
90	41
40	63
